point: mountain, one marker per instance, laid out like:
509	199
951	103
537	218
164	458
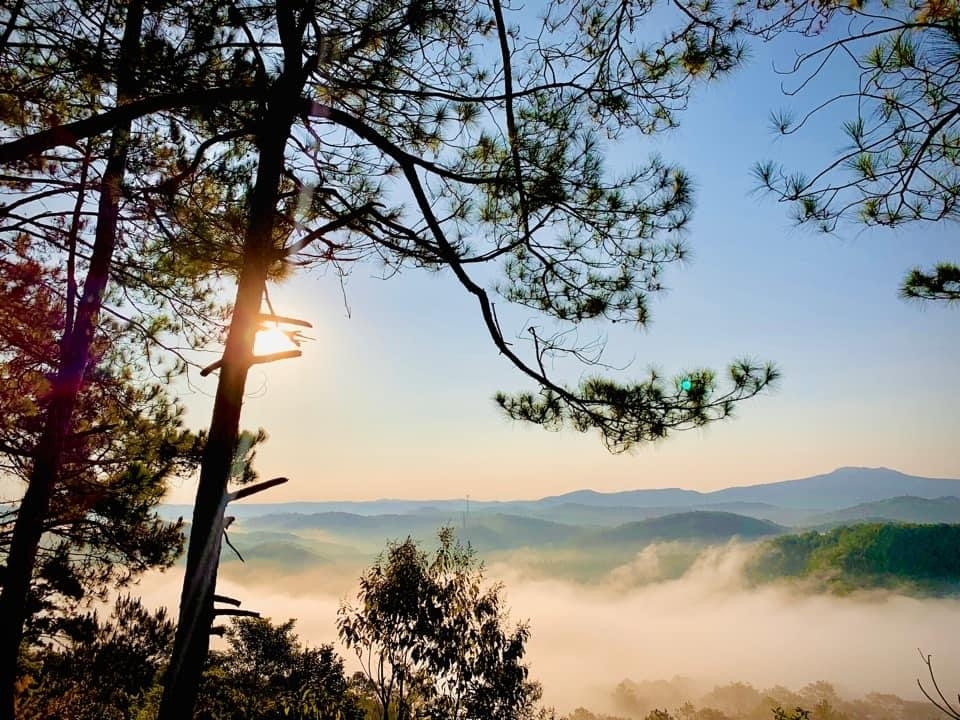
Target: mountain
899	509
630	498
841	488
492	532
832	491
610	516
485	531
788	501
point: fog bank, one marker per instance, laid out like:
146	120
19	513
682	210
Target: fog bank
706	625
710	627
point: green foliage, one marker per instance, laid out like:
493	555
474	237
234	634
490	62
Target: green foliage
126	442
432	639
102	670
267	674
863	555
628	415
111	670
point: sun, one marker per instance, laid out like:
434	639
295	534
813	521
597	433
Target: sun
272	340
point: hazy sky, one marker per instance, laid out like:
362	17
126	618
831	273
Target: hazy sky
395	401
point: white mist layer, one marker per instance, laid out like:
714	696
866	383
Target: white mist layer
706	626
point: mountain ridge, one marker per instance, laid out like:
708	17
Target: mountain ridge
839	489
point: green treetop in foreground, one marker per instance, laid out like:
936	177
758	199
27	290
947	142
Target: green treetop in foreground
433	640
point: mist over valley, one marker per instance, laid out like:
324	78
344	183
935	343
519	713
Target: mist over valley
667	600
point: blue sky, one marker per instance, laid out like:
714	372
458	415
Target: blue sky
395	401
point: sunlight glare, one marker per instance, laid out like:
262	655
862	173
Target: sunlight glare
272	340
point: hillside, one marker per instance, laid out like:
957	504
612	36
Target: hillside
865	555
485	531
553	549
499	531
585	534
899	509
700	526
276	553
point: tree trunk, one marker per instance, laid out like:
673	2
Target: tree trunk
66	386
192	640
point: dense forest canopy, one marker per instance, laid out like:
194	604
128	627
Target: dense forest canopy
866	554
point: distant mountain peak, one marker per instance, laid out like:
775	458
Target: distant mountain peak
856	468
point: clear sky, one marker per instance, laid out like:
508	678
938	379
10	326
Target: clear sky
396	400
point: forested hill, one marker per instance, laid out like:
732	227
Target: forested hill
869	554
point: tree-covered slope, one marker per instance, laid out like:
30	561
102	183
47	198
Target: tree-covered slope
869	554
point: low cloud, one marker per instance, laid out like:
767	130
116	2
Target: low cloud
710	626
706	625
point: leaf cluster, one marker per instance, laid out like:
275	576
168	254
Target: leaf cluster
102	668
125	443
267	674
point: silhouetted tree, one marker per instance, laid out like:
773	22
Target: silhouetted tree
266	674
74	206
101	527
65	386
100	669
902	162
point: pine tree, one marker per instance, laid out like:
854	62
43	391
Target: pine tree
901	163
368	104
446	135
101	529
94	439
